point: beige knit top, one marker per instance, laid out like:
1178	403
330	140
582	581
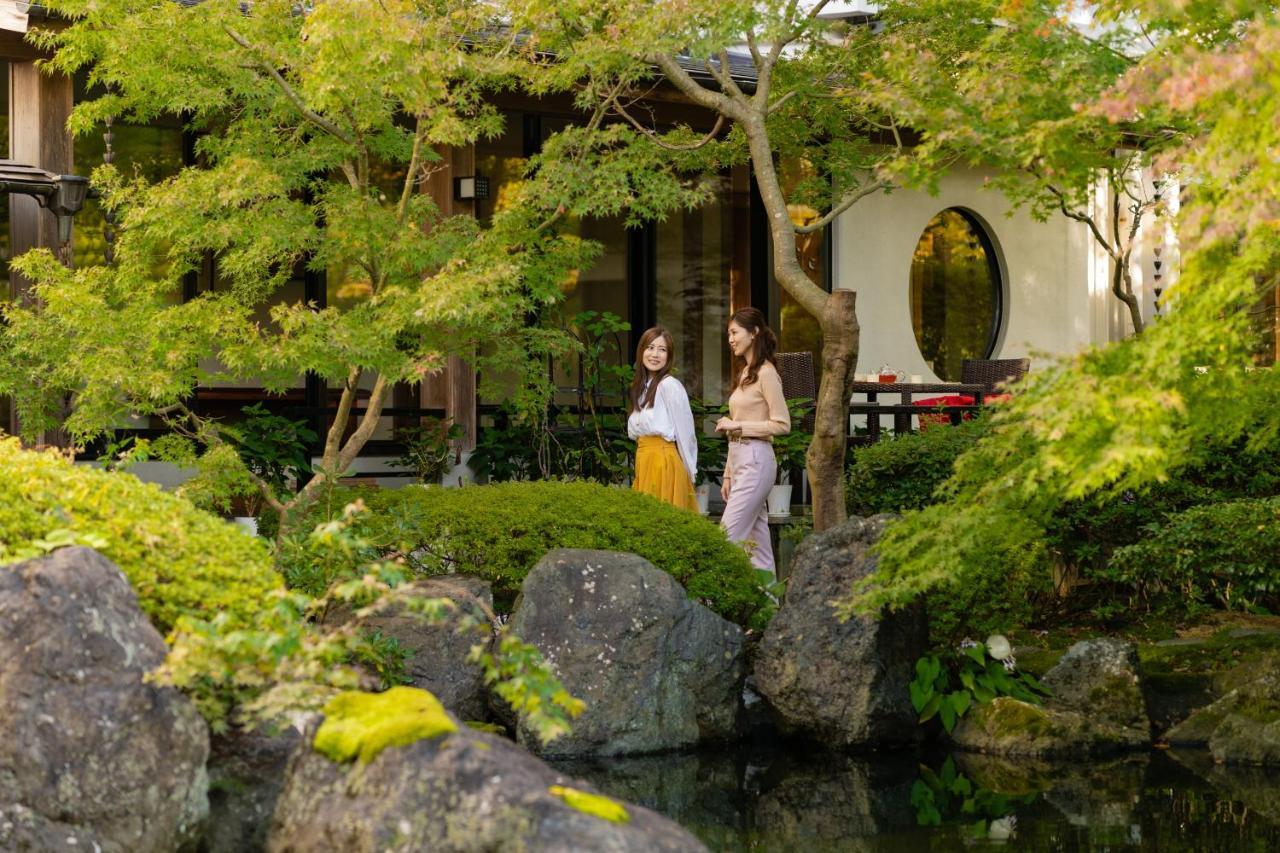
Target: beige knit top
760	408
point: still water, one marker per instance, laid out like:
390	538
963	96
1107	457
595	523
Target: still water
784	799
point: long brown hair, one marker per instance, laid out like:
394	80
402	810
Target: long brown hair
763	346
642	372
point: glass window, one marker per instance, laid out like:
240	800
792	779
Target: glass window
955	293
797	329
154	152
694	266
502	161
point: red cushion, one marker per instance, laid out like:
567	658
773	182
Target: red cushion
944	418
941	418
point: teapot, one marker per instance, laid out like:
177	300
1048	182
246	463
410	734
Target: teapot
889	374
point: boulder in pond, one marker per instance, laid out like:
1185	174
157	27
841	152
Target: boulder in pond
452	789
840	683
657	671
1242	727
436	657
1096	707
91	755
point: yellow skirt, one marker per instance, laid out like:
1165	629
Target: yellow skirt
660	472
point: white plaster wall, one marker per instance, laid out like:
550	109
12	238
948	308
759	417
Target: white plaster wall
1045	267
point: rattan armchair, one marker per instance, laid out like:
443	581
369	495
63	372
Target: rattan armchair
993	371
798	380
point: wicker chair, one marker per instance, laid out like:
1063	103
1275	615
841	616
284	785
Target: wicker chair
993	371
798	380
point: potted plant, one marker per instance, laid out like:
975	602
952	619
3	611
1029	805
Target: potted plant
275	449
790	450
430	449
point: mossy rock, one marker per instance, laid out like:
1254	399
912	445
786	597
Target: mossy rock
596	805
361	725
1243	727
1008	726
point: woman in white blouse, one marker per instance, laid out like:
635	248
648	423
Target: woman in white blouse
661	422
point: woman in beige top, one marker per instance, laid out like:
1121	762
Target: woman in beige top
757	412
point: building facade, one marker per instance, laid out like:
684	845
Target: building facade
939	277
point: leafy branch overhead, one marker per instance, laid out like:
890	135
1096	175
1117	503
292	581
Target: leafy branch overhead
317	129
1123	418
771	85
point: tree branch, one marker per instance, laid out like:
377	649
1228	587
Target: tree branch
1082	218
368	423
778	103
289	92
410	180
720	71
764	69
657	139
721	103
848	201
333	440
755	50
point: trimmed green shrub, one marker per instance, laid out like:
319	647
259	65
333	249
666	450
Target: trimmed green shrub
904	471
181	561
501	531
1219	555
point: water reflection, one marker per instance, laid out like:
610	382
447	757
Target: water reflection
784	798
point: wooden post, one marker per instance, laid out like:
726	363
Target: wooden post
455	388
39	105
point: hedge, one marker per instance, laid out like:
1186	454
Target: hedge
1109	542
1218	555
500	531
181	561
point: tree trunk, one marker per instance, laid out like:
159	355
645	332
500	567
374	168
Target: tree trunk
825	457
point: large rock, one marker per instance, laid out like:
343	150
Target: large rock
91	756
841	683
1242	727
437	652
657	671
1097	707
462	791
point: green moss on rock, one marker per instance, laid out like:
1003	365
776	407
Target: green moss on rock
361	725
592	804
1008	719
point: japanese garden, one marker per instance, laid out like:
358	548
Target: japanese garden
650	425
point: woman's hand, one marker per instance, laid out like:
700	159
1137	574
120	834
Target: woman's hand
726	425
724	490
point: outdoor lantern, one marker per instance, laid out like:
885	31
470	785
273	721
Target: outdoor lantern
63	195
67	199
470	188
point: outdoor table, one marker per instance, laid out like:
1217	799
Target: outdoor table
905	408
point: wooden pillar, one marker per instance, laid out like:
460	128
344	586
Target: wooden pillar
38	109
39	105
455	387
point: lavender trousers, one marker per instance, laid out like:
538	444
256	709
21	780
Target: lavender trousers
752	469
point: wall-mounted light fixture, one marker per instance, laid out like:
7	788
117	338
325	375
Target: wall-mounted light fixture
470	188
63	195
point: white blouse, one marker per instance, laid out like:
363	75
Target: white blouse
671	418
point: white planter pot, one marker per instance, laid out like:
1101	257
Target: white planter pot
249	523
703	494
780	500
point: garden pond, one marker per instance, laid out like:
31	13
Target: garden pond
781	797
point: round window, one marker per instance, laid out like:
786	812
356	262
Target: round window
955	293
